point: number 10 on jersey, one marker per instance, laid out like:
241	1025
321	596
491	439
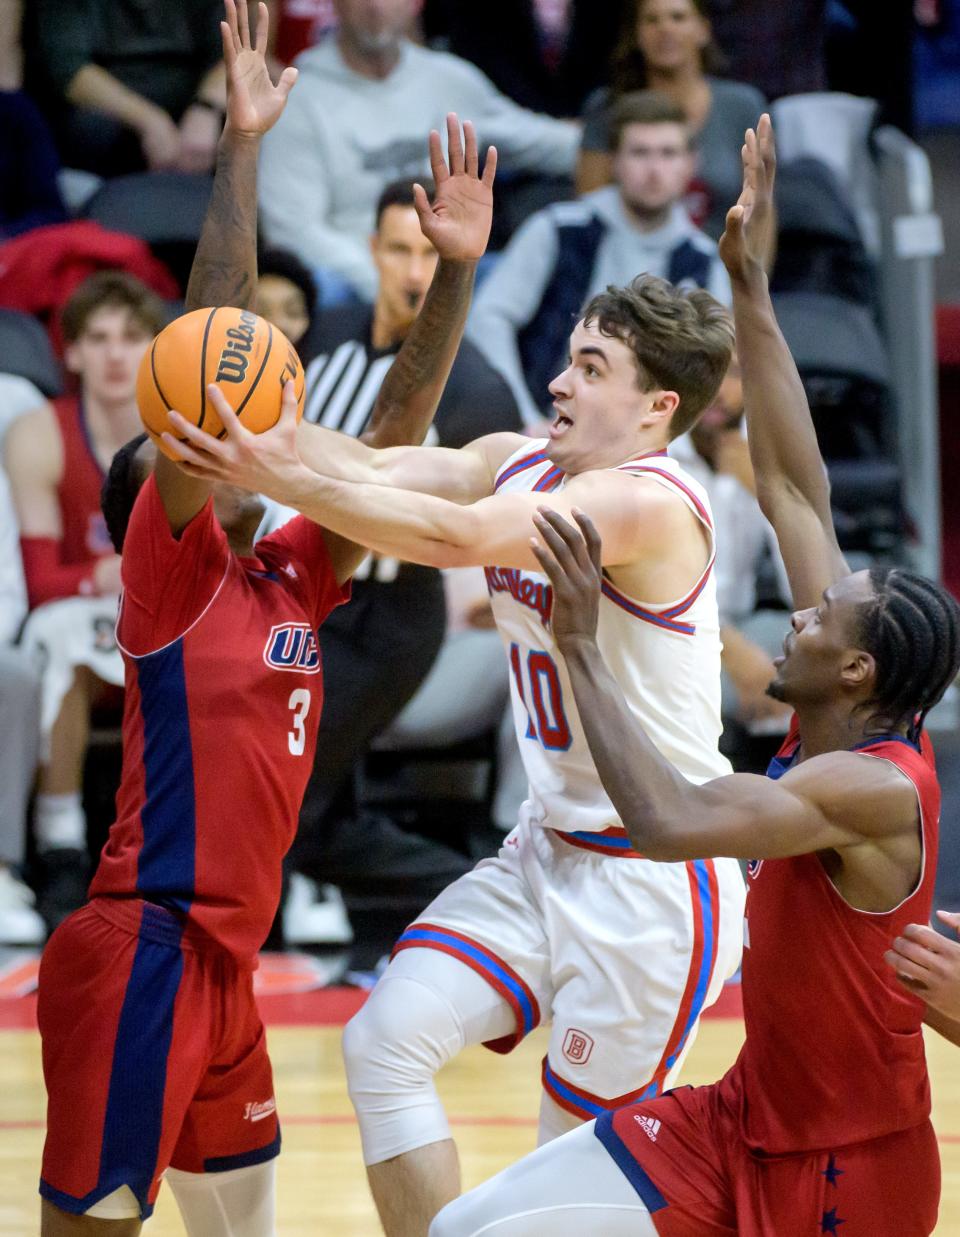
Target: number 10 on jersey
538	686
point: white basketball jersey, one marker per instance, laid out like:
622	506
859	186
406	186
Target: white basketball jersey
665	657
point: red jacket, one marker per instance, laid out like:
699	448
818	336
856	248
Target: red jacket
40	269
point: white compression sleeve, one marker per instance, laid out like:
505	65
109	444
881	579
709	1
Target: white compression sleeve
425	1009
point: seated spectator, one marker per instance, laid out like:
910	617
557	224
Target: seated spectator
554	53
286	293
715	452
56	458
560	257
128	85
666	46
20	726
377	650
365	97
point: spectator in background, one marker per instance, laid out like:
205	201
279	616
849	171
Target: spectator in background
365	97
377	651
666	45
129	85
553	56
20	727
286	293
524	312
56	458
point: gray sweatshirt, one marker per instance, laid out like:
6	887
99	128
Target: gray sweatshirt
512	293
344	137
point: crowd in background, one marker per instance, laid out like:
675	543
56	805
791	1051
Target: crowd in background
618	127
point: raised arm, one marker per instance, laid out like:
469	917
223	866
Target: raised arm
637	518
224	270
831	802
792	485
457	224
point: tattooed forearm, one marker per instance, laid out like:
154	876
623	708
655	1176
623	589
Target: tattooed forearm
224	270
414	383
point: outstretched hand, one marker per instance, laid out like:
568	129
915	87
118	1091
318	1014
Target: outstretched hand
747	236
457	223
266	463
571	558
928	964
254	104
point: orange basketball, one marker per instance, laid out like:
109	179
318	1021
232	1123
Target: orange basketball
248	359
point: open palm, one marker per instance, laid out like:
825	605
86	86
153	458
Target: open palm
457	222
746	239
254	104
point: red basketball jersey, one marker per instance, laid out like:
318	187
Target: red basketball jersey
834	1049
85	537
223	697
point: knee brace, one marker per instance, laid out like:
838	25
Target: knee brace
424	1010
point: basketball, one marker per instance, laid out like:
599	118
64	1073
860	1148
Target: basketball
248	359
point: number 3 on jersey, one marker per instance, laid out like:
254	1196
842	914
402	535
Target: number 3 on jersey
548	723
299	702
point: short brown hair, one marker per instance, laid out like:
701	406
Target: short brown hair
681	339
115	289
645	107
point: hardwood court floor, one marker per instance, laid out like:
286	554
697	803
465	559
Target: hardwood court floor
322	1190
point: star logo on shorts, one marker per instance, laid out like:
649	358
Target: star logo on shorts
830	1222
831	1172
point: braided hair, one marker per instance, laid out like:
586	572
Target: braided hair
120	489
911	627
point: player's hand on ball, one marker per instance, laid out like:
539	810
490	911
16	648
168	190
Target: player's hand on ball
254	104
457	223
928	964
571	559
747	237
266	463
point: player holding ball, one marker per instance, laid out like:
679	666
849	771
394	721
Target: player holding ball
154	1054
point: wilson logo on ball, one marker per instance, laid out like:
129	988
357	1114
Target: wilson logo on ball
233	359
293	646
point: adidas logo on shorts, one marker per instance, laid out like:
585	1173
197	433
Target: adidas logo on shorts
649	1125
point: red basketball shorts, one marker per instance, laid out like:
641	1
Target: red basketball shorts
153	1055
684	1155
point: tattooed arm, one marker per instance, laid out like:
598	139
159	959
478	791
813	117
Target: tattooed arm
224	270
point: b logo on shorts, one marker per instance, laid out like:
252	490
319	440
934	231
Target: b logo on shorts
577	1046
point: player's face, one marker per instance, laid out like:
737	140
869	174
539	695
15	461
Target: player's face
820	653
107	354
281	302
602	415
374	25
671	33
652	166
405	261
